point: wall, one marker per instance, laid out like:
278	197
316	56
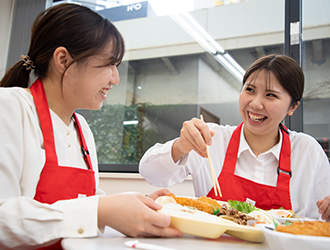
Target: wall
5	26
113	183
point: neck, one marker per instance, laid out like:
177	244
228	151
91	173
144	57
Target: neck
261	143
56	101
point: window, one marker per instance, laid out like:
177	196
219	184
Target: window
316	64
181	61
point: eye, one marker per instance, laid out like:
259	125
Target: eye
249	89
271	95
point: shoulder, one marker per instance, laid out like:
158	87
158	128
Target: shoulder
302	138
15	98
11	92
304	142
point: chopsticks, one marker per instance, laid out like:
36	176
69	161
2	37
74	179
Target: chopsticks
216	185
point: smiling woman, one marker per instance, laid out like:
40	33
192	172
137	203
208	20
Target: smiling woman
270	92
260	159
74	52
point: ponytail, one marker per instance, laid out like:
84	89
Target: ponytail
17	76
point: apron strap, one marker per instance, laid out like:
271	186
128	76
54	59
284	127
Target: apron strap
232	151
84	148
39	97
284	166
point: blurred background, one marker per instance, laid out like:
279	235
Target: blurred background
188	57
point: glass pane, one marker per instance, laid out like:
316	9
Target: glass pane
316	64
180	61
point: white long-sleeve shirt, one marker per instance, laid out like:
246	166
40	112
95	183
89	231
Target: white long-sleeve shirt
310	180
23	221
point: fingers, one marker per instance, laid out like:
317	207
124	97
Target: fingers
159	226
154	224
134	215
324	208
149	202
158	193
196	134
167	232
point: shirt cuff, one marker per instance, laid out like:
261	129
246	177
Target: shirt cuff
165	157
80	217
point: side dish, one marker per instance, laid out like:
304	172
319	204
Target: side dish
241	213
313	228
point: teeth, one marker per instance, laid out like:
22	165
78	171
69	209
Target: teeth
104	92
257	118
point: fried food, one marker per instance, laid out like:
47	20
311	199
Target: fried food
313	228
223	210
210	201
204	204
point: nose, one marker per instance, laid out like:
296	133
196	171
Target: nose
114	75
256	103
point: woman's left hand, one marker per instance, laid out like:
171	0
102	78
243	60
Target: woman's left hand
324	208
160	192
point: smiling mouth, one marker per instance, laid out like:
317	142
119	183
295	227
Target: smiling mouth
104	92
257	118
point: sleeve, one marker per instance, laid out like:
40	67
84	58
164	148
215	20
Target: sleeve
24	222
310	175
158	167
320	183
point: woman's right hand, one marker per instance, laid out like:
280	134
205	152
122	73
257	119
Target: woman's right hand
134	215
194	135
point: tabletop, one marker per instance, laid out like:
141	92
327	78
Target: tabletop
114	240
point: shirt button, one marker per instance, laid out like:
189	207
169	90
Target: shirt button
69	145
80	231
67	133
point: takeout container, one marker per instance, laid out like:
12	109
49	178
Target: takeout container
215	229
202	224
287	241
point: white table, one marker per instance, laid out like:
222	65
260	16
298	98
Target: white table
114	240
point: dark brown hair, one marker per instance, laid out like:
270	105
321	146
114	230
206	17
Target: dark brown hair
79	29
286	70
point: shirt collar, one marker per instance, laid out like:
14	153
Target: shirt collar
243	146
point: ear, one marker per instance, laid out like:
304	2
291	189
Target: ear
62	58
293	108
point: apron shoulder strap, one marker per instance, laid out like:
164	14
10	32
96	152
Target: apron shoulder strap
84	148
40	100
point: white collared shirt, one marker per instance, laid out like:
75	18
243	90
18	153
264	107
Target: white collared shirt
309	165
258	173
24	221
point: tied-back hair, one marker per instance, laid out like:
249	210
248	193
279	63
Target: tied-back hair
286	70
80	30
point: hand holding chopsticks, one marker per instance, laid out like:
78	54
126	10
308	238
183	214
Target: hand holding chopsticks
216	185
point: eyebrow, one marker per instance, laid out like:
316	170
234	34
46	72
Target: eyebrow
251	85
274	91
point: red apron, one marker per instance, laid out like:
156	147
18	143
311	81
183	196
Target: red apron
234	187
57	182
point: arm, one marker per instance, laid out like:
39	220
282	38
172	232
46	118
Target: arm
321	185
134	215
165	164
24	221
320	191
194	135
